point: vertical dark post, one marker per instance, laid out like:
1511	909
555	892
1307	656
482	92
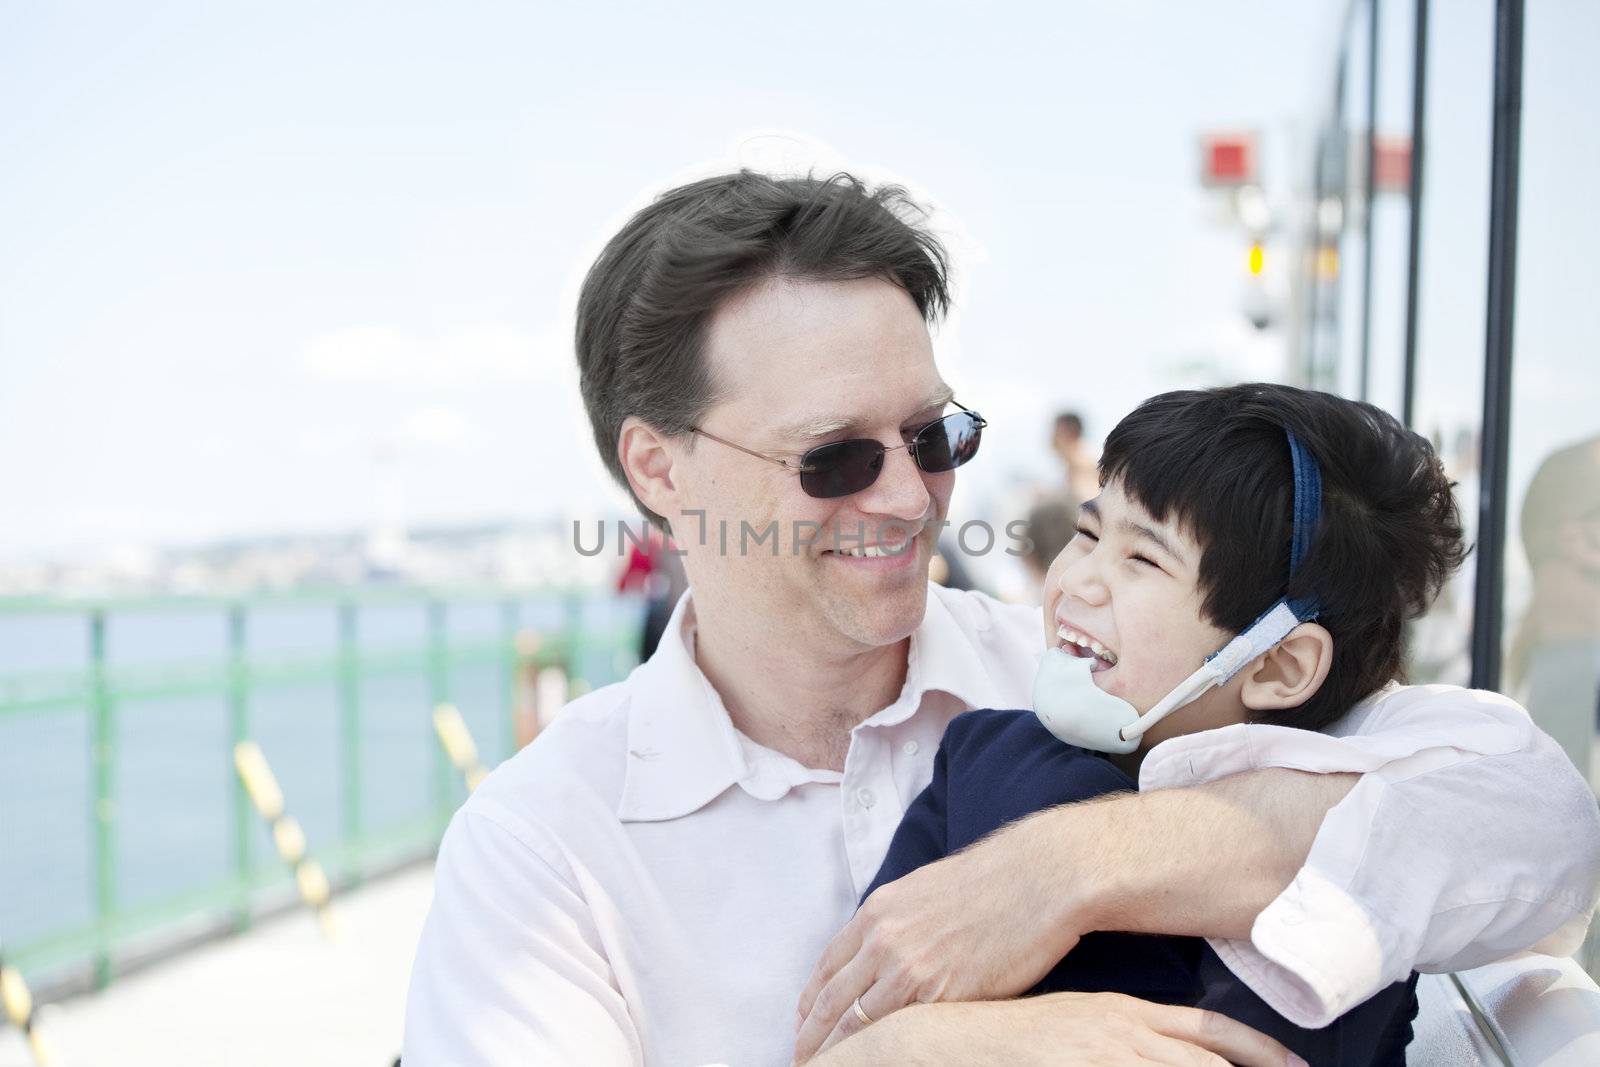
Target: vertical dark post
1489	586
1419	99
1339	180
102	812
1314	331
1369	184
239	730
350	733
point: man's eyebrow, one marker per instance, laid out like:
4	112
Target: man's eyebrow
819	426
823	425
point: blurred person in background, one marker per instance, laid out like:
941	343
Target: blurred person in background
653	569
653	879
1052	522
1078	460
1554	662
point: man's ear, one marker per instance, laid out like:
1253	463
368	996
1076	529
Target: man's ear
647	459
1291	673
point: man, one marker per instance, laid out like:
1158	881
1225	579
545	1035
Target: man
653	880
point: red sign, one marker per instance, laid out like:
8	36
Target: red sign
1391	164
1228	159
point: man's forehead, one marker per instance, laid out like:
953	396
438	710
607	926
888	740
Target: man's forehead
823	423
802	358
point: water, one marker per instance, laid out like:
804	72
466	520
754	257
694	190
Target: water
172	771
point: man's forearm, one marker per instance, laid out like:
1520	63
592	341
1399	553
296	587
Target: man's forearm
1080	1029
922	1035
1203	860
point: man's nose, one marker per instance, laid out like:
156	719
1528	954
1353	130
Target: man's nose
900	492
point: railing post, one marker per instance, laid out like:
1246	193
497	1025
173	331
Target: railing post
350	733
574	639
438	693
511	666
102	811
239	730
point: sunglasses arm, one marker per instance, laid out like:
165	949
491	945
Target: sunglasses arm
750	451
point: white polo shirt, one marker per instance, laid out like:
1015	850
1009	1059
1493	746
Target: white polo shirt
645	885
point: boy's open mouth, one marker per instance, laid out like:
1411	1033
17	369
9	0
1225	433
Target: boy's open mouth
1085	647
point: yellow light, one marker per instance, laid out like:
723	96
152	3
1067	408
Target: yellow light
1327	262
1258	258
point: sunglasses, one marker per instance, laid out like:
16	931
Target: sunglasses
840	468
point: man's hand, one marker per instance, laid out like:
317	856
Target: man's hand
1061	1030
989	922
984	924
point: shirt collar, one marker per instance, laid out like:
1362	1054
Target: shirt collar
684	751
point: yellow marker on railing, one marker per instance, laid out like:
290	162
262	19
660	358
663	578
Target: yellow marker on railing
18	1004
287	835
457	742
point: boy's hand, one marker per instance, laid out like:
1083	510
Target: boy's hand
985	924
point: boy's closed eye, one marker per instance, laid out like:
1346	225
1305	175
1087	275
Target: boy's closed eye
1090	535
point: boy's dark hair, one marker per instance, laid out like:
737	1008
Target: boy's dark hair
644	305
1217	462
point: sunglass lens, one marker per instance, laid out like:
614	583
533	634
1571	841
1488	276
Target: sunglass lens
948	443
840	468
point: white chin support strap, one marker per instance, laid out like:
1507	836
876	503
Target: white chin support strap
1080	713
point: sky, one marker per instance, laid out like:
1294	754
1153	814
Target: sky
309	267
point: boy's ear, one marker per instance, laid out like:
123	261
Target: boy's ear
647	461
1291	673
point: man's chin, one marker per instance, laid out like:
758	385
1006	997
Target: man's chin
892	613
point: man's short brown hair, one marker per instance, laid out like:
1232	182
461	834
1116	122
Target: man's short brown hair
644	305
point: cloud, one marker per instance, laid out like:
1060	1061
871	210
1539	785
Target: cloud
440	427
490	355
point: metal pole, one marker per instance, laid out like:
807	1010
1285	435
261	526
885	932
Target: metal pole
350	732
1419	97
1314	332
1369	182
439	691
239	730
511	666
102	812
1489	585
1329	372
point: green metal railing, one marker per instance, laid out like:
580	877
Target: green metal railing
102	691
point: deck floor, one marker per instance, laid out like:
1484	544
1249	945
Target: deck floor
278	994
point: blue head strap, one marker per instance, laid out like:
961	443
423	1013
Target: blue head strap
1274	624
1307	513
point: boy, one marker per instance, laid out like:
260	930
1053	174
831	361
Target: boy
1275	538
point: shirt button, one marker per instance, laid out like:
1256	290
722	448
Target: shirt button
910	748
865	798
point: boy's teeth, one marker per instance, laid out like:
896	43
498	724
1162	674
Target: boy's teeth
1085	642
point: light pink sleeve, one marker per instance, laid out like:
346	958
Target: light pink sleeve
1469	837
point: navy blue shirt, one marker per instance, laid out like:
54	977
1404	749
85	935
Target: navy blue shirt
994	767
